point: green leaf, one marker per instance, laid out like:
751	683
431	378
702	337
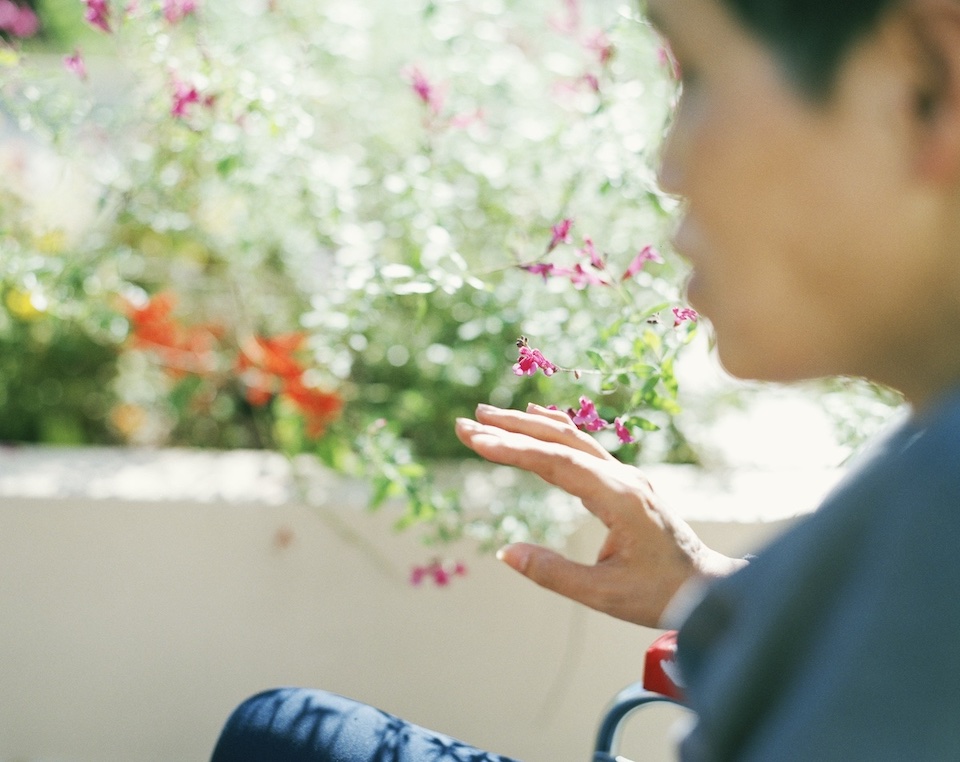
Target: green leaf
228	164
645	424
412	470
652	341
597	360
382	489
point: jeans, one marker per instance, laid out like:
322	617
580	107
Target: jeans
299	725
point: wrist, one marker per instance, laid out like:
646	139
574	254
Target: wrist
714	565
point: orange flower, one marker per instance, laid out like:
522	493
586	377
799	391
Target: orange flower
273	355
265	363
318	407
181	350
152	324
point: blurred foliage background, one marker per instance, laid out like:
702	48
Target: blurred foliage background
304	225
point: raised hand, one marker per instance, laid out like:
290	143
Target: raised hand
649	552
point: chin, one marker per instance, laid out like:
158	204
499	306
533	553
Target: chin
756	362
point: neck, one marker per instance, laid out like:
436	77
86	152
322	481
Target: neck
923	379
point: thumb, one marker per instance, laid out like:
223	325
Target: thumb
549	570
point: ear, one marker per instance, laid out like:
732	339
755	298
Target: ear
936	108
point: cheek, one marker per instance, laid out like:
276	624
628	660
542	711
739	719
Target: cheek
766	339
763	273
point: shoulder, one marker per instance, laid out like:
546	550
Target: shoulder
850	614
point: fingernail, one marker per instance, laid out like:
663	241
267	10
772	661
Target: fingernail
516	557
483	407
466	424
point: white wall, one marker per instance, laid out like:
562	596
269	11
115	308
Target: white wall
129	628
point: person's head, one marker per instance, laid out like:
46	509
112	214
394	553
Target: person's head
816	146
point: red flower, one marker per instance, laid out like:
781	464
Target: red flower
264	363
181	350
152	324
318	407
267	367
259	388
273	355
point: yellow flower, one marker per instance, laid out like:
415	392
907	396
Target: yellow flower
53	242
24	304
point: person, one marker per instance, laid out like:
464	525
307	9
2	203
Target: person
816	150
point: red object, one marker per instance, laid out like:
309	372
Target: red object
660	671
181	350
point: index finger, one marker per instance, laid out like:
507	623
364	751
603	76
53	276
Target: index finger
600	484
543	424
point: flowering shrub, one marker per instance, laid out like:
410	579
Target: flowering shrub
320	227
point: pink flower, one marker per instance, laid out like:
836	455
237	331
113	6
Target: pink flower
681	314
98	14
175	11
532	359
184	95
600	44
428	93
581	277
26	24
589	250
441	573
587	417
546	269
463	121
75	64
646	254
571	23
560	233
19	21
592	82
9	11
622	432
417	573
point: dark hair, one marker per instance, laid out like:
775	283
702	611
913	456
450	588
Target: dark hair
811	38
